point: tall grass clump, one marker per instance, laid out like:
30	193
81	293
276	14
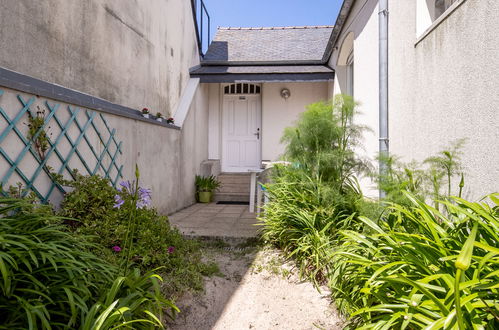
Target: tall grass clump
422	268
317	194
50	279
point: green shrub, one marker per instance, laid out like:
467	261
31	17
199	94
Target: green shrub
318	194
323	140
155	242
303	217
420	268
50	280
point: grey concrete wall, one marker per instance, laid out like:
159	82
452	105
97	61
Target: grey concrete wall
446	87
135	53
168	158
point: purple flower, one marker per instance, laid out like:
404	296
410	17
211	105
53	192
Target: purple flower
126	185
116	248
144	198
118	201
171	249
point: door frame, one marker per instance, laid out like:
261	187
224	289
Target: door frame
225	97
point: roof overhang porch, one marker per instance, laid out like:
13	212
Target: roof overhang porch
267	73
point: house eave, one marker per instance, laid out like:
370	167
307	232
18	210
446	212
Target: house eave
264	77
252	63
338	27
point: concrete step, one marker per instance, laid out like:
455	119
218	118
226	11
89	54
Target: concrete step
231	197
234	178
235	188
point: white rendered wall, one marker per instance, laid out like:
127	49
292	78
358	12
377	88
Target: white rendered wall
214	122
363	23
135	54
446	87
278	113
441	89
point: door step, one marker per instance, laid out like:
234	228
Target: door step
235	187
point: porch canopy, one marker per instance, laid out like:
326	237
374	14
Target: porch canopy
266	54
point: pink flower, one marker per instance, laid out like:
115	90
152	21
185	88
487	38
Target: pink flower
116	248
171	249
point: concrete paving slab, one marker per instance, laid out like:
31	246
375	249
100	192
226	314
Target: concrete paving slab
216	220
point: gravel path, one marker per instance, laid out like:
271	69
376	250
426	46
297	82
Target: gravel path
257	291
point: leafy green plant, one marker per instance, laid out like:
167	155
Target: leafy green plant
50	280
318	195
303	217
133	301
424	180
155	242
36	134
420	268
323	139
91	198
206	183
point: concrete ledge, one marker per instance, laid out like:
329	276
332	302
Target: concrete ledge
186	101
28	84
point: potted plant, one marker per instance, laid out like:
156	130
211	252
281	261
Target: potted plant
145	113
205	186
170	120
159	116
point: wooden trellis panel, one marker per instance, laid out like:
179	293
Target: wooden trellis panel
83	140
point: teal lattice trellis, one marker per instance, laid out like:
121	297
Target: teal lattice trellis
75	129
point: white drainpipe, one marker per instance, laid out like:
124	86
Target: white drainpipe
383	85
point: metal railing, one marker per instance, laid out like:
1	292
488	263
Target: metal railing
201	17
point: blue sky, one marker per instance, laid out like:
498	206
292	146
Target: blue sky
256	13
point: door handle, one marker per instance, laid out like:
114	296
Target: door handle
257	133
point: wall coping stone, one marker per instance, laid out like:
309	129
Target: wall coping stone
28	84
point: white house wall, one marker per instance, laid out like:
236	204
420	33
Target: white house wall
363	23
277	114
441	89
214	122
446	87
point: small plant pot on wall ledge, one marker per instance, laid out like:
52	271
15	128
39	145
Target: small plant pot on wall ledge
204	196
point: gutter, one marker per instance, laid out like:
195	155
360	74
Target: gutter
383	88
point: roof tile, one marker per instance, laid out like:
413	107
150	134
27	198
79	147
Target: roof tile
268	44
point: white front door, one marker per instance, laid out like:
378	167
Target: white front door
241	135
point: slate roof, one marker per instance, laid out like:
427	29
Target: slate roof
294	45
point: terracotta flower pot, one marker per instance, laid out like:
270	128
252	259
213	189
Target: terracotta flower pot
204	196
